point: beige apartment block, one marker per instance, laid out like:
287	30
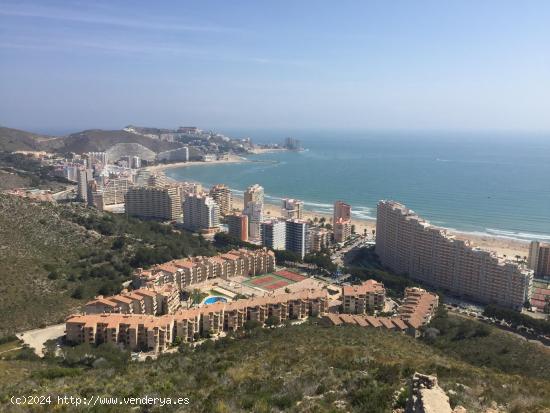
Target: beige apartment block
136	332
418	308
195	270
159	202
539	259
155	301
319	239
409	245
221	194
364	298
145	332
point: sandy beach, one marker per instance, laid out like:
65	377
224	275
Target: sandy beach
502	246
274	210
229	159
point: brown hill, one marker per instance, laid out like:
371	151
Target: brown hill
19	140
94	140
97	140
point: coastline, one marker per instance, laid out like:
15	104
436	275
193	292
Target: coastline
162	167
500	245
274	210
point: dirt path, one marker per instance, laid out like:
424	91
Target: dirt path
36	338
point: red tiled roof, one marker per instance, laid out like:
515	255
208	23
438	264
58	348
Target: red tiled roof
334	319
369	286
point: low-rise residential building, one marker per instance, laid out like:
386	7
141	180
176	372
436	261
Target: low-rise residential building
194	270
153	301
147	333
365	298
134	331
418	308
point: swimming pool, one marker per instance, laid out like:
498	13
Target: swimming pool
215	299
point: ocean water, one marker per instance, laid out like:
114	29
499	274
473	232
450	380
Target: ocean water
495	183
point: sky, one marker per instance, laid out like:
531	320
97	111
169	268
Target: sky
468	64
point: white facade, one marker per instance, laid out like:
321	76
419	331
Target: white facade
200	212
274	234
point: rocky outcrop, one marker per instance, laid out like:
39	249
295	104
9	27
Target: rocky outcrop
426	396
119	150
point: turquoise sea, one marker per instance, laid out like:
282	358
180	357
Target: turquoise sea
496	183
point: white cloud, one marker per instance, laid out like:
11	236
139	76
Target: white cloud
143	23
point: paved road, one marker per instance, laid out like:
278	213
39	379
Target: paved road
36	338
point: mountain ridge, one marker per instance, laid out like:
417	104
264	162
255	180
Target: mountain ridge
90	140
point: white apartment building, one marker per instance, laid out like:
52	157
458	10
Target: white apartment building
200	213
274	234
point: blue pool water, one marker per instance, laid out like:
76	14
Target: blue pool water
215	299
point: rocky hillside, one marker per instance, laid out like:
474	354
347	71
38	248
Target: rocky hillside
19	140
100	140
55	256
301	368
94	140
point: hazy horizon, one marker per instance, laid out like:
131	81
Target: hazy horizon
289	65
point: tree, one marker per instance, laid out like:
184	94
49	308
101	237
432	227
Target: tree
271	321
320	260
252	325
283	256
77	293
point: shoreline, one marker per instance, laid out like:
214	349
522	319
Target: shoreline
501	245
273	210
230	159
